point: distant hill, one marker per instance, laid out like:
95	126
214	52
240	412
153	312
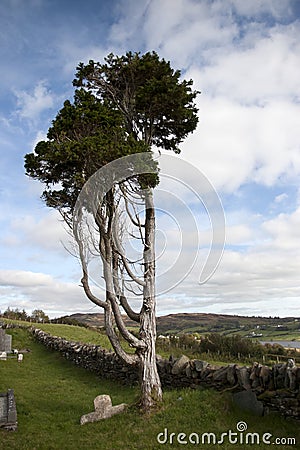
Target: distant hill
91	320
200	322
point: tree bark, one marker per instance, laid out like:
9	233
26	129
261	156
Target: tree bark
151	392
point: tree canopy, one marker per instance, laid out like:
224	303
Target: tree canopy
158	108
124	106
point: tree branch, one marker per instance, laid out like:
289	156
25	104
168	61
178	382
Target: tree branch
113	338
117	249
85	277
129	311
129	337
89	294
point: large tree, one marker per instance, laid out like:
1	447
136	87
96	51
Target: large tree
121	107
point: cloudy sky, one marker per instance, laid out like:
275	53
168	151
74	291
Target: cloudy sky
244	57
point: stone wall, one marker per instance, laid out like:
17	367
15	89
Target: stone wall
277	387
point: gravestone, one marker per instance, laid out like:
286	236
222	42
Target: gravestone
8	411
5	341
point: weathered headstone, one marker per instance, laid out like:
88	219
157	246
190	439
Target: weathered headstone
5	341
8	411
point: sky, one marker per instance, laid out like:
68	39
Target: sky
244	57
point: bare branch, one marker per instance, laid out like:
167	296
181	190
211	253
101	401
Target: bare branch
129	311
130	289
89	294
136	220
117	249
109	326
85	277
128	269
129	337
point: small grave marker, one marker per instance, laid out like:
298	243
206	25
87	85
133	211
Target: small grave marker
103	410
3	356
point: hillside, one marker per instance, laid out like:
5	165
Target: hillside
267	327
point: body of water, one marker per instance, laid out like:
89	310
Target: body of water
286	344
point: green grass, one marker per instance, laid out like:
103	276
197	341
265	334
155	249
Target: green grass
51	395
78	334
73	333
69	332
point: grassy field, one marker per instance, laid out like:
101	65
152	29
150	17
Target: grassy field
78	334
52	394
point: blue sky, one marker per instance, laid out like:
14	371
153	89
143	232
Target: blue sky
244	57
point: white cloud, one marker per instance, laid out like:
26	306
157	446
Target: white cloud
285	230
30	290
131	16
248	76
256	8
31	105
179	30
184	29
47	232
265	70
24	279
235	144
239	235
245	279
281	198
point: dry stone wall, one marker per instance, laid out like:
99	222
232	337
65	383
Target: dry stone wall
278	387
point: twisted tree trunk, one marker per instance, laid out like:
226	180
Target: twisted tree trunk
151	392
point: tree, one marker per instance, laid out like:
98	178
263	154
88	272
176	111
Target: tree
39	316
15	314
122	107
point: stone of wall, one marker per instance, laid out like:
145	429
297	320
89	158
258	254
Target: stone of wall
278	387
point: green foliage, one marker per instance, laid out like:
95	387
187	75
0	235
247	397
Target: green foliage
275	349
157	106
122	107
234	345
39	316
15	314
84	136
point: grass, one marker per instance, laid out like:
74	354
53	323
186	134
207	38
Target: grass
78	334
52	394
73	333
69	332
